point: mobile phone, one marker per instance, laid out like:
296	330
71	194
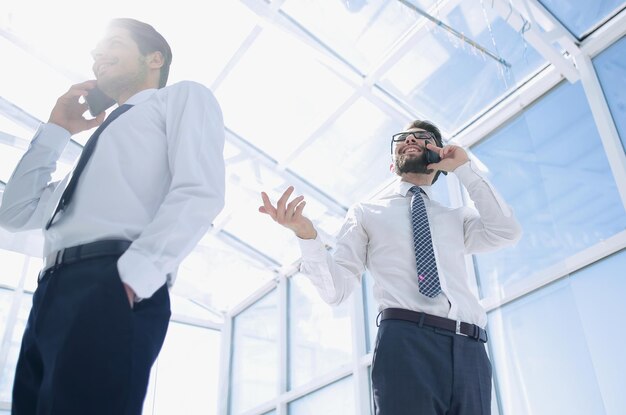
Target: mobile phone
98	101
432	156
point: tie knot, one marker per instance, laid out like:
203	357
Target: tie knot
415	190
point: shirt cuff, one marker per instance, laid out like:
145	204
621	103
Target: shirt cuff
52	136
312	249
140	274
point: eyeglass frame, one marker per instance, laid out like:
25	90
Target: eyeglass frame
429	136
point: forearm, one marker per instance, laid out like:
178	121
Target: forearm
334	276
496	224
29	187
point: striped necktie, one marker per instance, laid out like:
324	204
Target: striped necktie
427	275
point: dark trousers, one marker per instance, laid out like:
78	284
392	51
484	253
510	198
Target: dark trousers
427	371
84	350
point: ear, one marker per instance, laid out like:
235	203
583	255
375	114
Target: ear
155	60
392	168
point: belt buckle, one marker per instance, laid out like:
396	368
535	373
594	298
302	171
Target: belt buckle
458	329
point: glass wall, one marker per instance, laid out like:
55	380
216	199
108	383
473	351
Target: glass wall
549	165
255	360
579	16
320	336
611	68
335	399
560	350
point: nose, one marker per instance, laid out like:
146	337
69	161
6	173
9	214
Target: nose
410	139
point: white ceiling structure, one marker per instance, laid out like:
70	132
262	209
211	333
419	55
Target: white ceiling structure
311	91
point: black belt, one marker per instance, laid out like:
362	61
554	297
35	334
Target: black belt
455	326
108	247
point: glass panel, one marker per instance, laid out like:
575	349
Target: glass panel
320	335
254	366
188	366
359	31
217	275
549	164
355	148
12	267
293	94
249	175
611	68
32	273
6	299
564	334
8	374
8	126
221	28
580	16
371	311
27	73
335	399
9	157
428	76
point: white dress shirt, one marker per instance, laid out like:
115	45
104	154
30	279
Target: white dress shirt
156	178
378	235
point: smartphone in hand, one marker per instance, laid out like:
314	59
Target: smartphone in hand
98	101
433	157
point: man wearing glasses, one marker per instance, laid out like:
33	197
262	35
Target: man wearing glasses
430	356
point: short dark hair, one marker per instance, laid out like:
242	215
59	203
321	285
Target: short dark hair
148	40
432	128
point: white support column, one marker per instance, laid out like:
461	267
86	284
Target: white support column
604	122
283	344
536	38
226	356
18	296
359	349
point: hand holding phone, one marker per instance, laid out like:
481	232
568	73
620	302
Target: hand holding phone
68	112
98	101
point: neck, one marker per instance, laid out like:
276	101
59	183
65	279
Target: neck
125	94
418	179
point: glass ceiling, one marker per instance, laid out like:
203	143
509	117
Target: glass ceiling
311	91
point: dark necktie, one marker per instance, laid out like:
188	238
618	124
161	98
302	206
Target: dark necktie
88	150
427	275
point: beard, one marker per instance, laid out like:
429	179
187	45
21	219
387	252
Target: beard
115	85
407	163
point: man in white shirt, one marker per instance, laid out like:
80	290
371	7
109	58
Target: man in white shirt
430	356
148	184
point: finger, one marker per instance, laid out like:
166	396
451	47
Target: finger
267	206
280	205
283	199
87	85
432	147
291	207
299	209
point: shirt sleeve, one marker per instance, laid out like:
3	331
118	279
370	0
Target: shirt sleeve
335	275
29	189
195	137
494	225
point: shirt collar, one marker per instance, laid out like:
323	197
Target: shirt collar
141	96
402	188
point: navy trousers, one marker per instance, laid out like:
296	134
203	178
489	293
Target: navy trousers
84	350
427	371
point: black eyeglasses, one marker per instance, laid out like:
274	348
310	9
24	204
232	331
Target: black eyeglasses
418	135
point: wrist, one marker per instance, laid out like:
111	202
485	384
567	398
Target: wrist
307	234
